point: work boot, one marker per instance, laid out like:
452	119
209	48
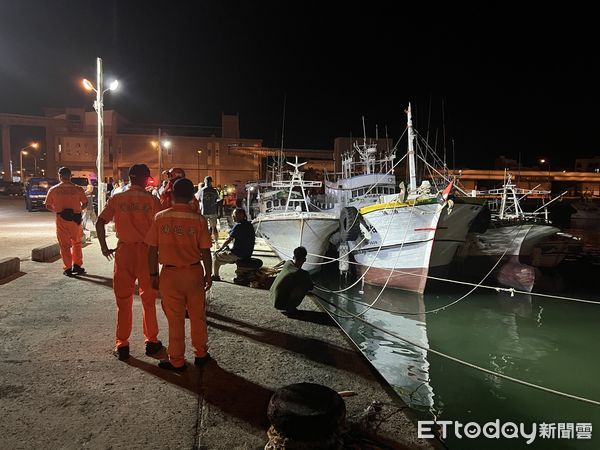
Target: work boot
200	361
68	273
122	353
77	270
152	348
166	364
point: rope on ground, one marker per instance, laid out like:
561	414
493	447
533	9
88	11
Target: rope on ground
462	362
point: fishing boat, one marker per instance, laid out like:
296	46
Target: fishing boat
521	241
287	219
401	239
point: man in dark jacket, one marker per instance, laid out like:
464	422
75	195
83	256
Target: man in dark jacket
292	283
242	235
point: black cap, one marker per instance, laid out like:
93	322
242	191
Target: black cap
183	188
139	170
64	171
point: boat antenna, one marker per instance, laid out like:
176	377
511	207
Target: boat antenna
428	121
280	158
411	151
453	155
364	132
444	133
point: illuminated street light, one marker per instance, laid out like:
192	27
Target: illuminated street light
99	107
21	173
545	161
23	152
159	145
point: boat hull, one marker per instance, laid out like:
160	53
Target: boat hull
409	242
515	252
283	233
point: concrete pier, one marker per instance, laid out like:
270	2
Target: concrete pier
60	386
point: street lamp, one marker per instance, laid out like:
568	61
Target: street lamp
159	145
21	173
545	161
23	152
99	107
199	153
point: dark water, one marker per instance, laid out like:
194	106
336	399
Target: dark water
552	343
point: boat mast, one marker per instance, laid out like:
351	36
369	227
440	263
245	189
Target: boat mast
281	157
411	152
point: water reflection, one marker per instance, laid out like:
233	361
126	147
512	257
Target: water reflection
539	340
404	366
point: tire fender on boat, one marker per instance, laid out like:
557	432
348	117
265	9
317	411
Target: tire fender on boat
349	224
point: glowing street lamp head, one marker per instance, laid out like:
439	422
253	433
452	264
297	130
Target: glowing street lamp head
114	85
88	86
24	152
35	145
542	161
166	144
154	144
199	152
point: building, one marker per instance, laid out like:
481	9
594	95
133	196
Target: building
71	140
588	164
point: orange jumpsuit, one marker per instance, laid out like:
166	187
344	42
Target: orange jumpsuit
133	212
180	234
67	195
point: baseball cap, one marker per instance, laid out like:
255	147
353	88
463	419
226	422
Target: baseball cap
64	171
183	188
139	170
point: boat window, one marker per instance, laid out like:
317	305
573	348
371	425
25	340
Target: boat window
269	204
361	192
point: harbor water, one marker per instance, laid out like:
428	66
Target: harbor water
545	341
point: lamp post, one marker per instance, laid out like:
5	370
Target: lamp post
23	152
159	145
545	161
21	173
99	107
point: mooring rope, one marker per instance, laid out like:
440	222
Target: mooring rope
460	361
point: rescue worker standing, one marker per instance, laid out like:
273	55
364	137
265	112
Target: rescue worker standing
209	198
179	240
67	200
133	212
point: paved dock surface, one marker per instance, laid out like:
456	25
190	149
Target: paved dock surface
60	386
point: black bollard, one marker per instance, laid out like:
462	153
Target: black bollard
307	416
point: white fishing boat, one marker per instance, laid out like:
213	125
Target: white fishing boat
397	242
523	241
287	219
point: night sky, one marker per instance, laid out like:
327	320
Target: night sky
508	80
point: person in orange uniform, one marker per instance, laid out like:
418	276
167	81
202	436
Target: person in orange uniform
133	212
67	200
179	240
166	196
